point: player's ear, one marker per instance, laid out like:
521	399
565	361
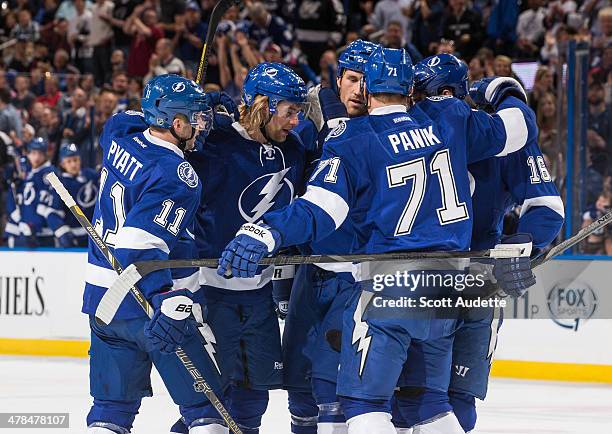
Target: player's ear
179	122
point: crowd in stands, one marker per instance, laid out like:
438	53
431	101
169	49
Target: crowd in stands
67	65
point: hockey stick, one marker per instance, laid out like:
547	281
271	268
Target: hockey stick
138	270
601	222
131	275
200	385
215	17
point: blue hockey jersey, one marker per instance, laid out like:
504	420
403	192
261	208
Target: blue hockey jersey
243	180
147	198
521	179
37	208
401	177
84	189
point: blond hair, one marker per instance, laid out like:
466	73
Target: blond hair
255	117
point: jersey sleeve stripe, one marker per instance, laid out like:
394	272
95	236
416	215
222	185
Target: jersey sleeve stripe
11	229
330	202
25	229
133	238
62	230
100	276
191	282
78	232
15	215
553	202
45	211
516	130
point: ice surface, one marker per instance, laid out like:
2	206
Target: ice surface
29	384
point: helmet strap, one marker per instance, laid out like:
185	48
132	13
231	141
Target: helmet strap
182	143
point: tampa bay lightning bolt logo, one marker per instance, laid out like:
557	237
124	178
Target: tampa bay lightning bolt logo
87	195
433	61
338	131
178	87
271	72
260	195
186	174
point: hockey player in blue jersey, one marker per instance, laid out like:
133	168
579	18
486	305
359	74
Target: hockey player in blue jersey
83	186
36	207
320	292
356	181
520	178
255	165
148	197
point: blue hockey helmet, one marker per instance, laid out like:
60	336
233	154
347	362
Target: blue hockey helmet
355	56
38	144
434	73
276	81
168	95
68	150
389	70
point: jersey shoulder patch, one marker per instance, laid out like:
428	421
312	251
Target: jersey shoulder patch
337	131
187	174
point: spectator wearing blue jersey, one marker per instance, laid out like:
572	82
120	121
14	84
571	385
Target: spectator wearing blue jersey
26	28
189	34
427	16
501	26
267	27
394	38
600	241
76	120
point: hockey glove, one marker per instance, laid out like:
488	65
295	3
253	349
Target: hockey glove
67	240
170	323
331	106
242	255
514	275
492	91
221	102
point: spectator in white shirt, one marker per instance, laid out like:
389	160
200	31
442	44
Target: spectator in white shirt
79	29
163	61
100	38
530	30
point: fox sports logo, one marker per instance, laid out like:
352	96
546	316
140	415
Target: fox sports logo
570	301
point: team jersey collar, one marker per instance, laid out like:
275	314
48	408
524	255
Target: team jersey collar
242	131
163	143
39	168
389	109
